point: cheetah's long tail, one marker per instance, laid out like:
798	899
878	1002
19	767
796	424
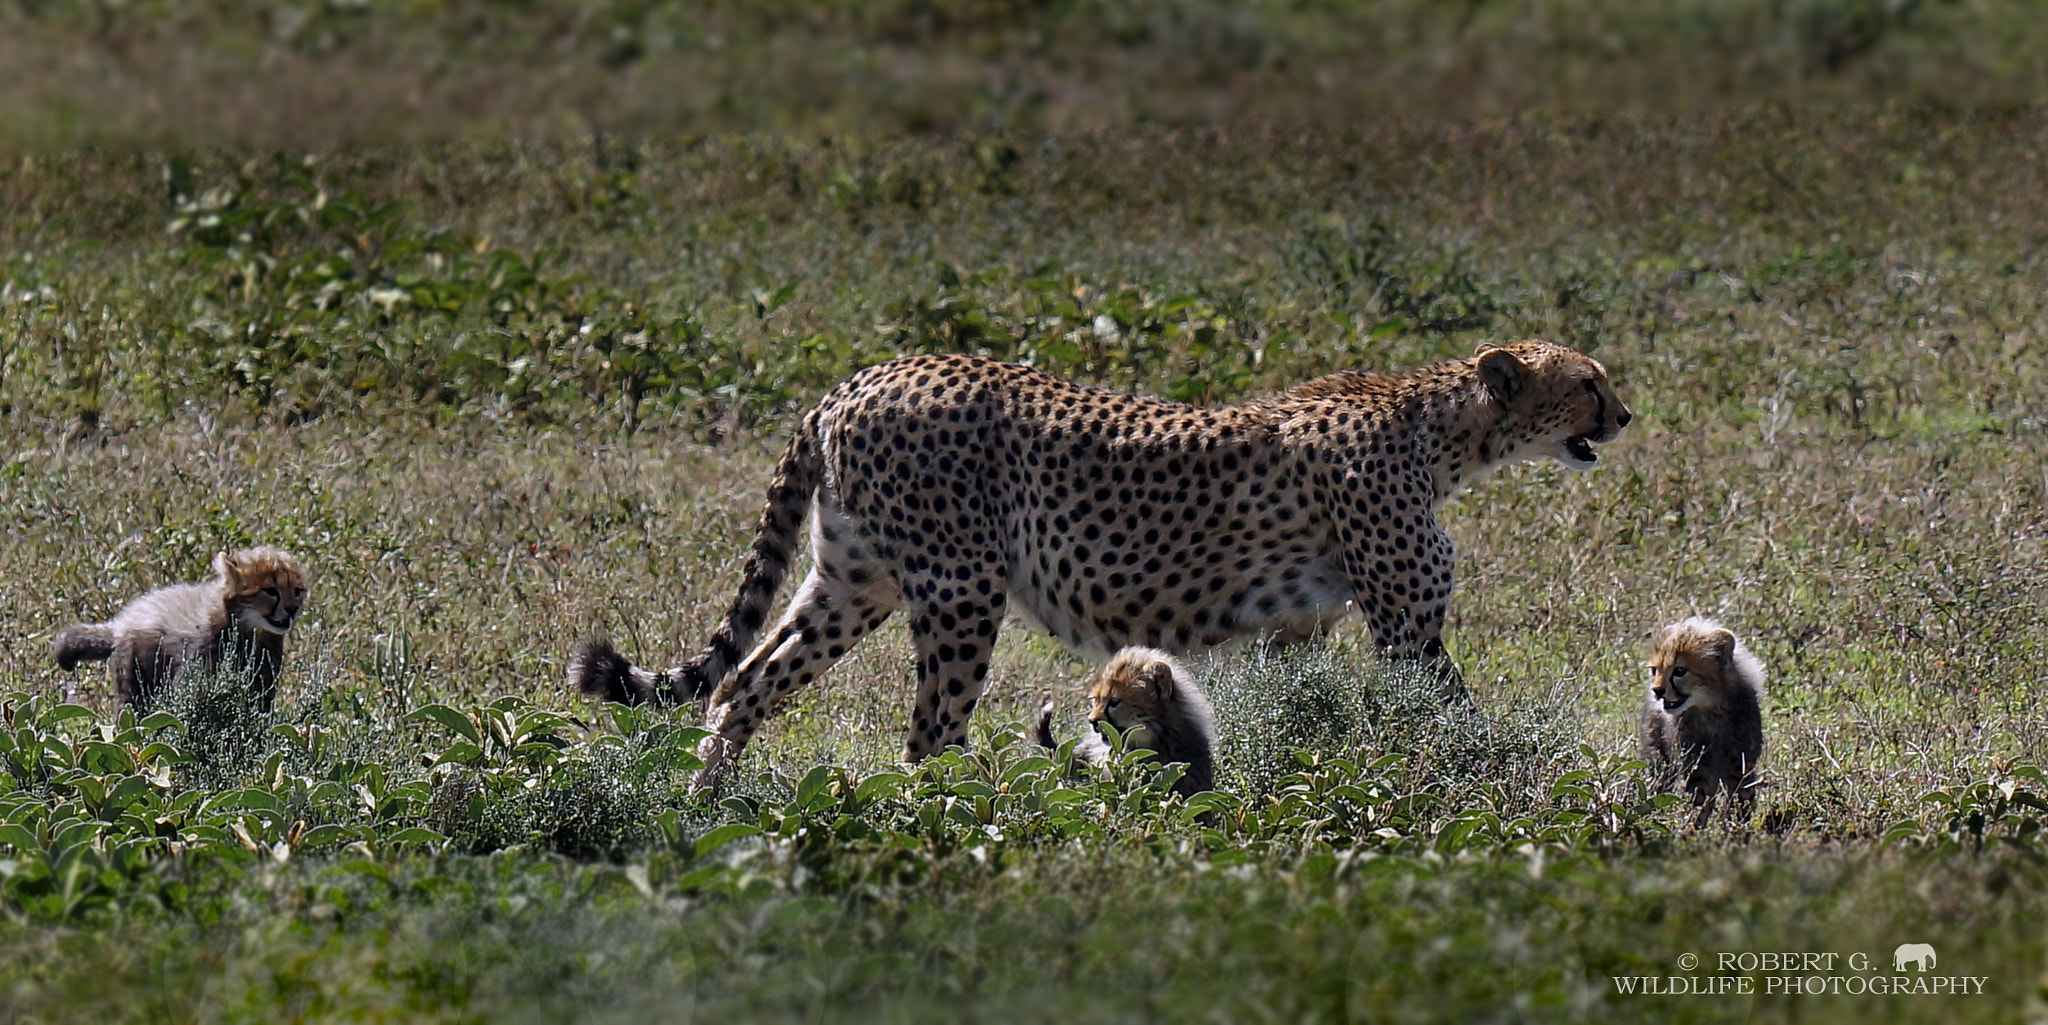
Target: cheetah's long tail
84	642
596	668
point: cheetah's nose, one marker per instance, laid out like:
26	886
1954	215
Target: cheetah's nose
1623	419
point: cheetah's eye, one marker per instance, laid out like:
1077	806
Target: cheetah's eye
271	591
1678	672
1114	704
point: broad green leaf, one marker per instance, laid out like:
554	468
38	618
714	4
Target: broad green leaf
723	835
125	793
1904	829
701	876
456	722
973	788
879	786
19	836
322	835
814	783
159	721
62	713
104	757
247	797
1027	766
415	834
627	719
171	754
461	752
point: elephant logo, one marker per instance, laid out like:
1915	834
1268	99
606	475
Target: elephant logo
1921	954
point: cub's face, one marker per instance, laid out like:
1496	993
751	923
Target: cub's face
266	588
1130	693
1685	680
1558	403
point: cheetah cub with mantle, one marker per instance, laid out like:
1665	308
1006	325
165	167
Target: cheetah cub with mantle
237	620
1704	713
1150	699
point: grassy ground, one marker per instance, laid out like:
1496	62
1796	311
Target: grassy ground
500	395
321	75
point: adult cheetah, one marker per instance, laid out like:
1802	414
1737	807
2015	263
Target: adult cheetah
958	488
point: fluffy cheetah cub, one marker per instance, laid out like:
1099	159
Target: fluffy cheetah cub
1149	698
1704	715
237	619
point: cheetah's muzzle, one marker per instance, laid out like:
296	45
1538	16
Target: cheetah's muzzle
1581	448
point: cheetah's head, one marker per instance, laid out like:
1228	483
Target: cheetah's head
1696	664
1132	693
1555	402
264	588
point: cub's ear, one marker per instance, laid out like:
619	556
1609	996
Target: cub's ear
1503	372
1721	645
225	568
1161	678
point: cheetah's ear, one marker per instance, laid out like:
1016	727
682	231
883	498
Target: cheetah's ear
1162	680
1503	372
1721	645
225	568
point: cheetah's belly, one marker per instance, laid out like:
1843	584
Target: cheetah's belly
1179	609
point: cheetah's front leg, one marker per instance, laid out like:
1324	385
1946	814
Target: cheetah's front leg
1403	588
954	645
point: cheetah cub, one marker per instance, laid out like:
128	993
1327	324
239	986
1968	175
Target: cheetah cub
1149	698
1704	714
237	619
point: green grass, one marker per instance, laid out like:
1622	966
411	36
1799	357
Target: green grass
253	73
498	395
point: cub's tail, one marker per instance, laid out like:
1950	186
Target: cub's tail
596	668
1043	734
84	642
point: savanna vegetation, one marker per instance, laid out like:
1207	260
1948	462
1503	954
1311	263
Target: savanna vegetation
319	73
500	394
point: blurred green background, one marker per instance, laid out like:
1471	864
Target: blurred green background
318	74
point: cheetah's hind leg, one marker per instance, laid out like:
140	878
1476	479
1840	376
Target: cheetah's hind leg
826	617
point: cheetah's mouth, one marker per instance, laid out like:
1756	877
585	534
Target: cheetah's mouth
1675	702
1578	451
258	621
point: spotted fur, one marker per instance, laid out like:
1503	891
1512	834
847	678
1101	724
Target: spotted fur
236	620
1703	717
959	489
